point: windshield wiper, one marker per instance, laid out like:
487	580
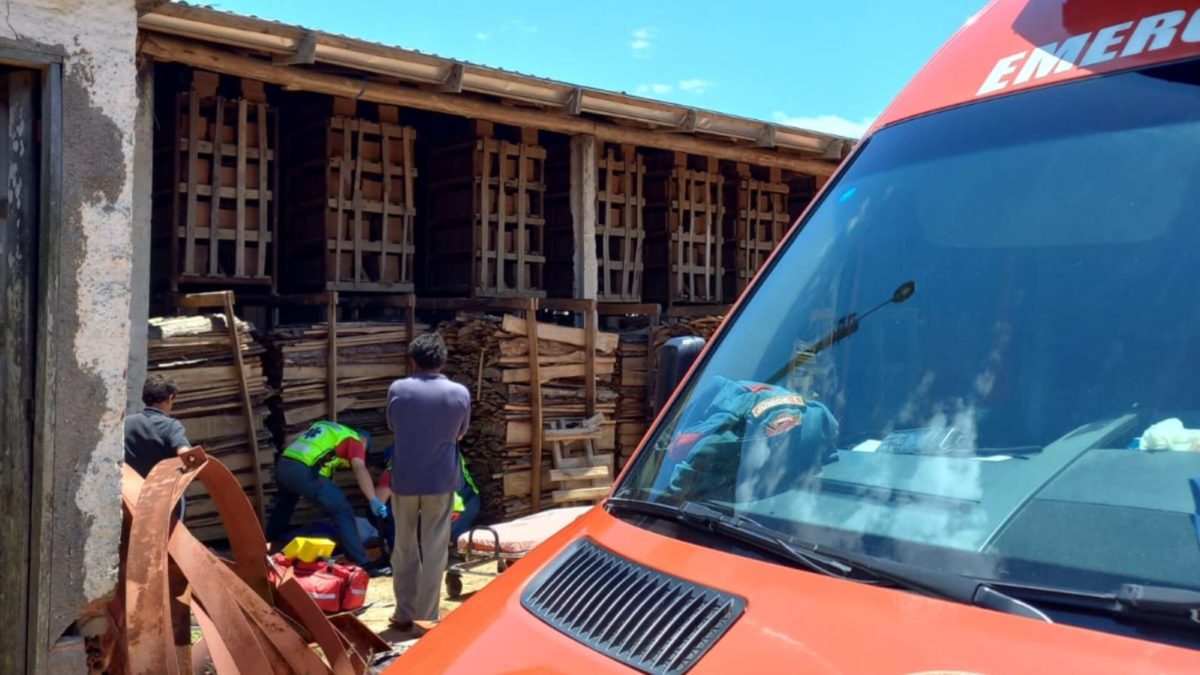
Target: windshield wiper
741	529
841	564
1133	600
946	585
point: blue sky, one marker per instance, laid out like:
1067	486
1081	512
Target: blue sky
830	65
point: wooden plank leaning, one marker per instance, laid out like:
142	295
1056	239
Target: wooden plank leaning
535	398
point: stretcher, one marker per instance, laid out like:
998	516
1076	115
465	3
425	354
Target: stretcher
504	543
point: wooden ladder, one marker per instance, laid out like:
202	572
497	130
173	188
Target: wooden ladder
580	474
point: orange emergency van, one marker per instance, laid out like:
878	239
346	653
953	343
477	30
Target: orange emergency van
952	426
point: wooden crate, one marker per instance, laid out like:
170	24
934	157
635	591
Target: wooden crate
487	217
620	223
223	184
351	201
755	223
684	218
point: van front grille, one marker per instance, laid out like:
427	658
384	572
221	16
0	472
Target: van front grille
644	618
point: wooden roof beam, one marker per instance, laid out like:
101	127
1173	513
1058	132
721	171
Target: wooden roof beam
454	81
198	55
306	51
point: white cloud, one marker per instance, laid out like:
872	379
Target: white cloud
695	85
641	41
482	36
829	124
656	88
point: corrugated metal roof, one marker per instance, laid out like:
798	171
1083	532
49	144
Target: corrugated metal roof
354	38
414	65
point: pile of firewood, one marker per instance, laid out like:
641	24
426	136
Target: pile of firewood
370	356
195	352
490	355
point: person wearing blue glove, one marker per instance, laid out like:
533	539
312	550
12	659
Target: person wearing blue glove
305	469
379	508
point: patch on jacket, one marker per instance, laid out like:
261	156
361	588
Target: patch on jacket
782	423
774	402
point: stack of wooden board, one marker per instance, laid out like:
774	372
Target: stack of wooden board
633	409
352	205
487	216
490	355
685	213
370	356
195	353
620	230
756	220
216	217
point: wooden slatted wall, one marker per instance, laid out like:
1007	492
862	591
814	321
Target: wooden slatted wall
223	210
487	217
351	200
620	223
755	223
684	222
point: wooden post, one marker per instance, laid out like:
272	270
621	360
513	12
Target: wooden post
214	180
266	209
589	387
331	363
583	214
535	404
239	205
341	204
358	215
247	407
483	246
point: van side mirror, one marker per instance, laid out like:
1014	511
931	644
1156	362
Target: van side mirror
675	358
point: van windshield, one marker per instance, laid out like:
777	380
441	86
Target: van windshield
1028	414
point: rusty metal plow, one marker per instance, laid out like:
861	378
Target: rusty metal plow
248	624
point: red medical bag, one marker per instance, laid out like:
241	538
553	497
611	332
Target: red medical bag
335	587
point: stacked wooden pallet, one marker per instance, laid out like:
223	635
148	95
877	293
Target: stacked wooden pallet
195	352
351	199
685	212
490	355
755	222
487	216
620	226
216	218
632	406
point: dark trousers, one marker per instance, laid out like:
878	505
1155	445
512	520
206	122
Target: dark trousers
295	480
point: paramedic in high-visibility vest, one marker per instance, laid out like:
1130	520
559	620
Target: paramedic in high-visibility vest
305	469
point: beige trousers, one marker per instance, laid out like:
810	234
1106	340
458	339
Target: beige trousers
420	554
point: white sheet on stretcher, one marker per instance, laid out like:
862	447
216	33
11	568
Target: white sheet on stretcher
520	536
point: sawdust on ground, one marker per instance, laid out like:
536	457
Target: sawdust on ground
381	604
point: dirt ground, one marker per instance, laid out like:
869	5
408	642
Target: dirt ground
381	603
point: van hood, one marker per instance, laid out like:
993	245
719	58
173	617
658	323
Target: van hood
794	621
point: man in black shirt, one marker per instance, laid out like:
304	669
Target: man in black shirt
153	435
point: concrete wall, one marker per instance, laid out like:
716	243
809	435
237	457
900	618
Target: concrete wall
90	312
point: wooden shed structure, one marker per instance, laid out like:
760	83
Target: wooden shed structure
340	195
300	160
